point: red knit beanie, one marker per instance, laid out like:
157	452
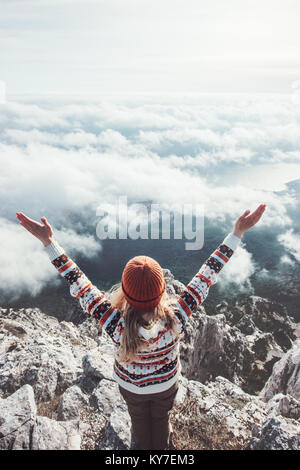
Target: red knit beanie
143	282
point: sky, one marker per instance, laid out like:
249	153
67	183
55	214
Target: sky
134	46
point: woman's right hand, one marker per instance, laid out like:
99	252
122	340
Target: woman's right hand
42	231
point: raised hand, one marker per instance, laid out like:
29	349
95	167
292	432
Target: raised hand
42	231
247	220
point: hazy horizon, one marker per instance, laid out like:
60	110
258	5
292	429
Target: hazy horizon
131	45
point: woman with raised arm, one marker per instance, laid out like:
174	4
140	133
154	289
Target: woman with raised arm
143	324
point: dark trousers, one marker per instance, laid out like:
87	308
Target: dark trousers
150	417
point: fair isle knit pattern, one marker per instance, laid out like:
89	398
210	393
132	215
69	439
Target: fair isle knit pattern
157	365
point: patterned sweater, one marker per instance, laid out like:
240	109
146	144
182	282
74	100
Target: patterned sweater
157	366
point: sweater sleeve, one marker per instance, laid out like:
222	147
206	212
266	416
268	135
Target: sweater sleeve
90	297
197	290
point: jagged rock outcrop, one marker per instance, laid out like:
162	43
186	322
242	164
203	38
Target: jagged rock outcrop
276	434
57	390
215	416
283	405
220	415
267	316
285	377
21	427
17	417
241	342
72	400
38	350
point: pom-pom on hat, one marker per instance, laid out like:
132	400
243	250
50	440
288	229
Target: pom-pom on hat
143	283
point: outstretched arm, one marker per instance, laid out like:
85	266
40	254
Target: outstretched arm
197	290
91	299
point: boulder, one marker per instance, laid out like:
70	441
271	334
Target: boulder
283	405
48	356
49	434
285	376
118	430
276	434
106	397
98	365
241	342
71	402
218	415
21	428
17	418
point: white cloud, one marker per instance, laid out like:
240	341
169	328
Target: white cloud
264	274
287	260
78	243
291	242
26	267
238	271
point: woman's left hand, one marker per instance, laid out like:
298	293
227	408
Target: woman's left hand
247	220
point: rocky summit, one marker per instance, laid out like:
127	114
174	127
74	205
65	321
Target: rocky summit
240	385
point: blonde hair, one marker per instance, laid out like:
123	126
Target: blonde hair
131	341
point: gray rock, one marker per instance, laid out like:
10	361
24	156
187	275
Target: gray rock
90	328
285	376
71	403
220	411
98	364
224	402
48	357
242	342
49	434
21	428
202	342
173	286
277	434
118	430
17	418
106	397
182	391
211	348
70	330
246	325
284	405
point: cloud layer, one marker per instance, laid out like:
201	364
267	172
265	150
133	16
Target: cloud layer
63	159
291	241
